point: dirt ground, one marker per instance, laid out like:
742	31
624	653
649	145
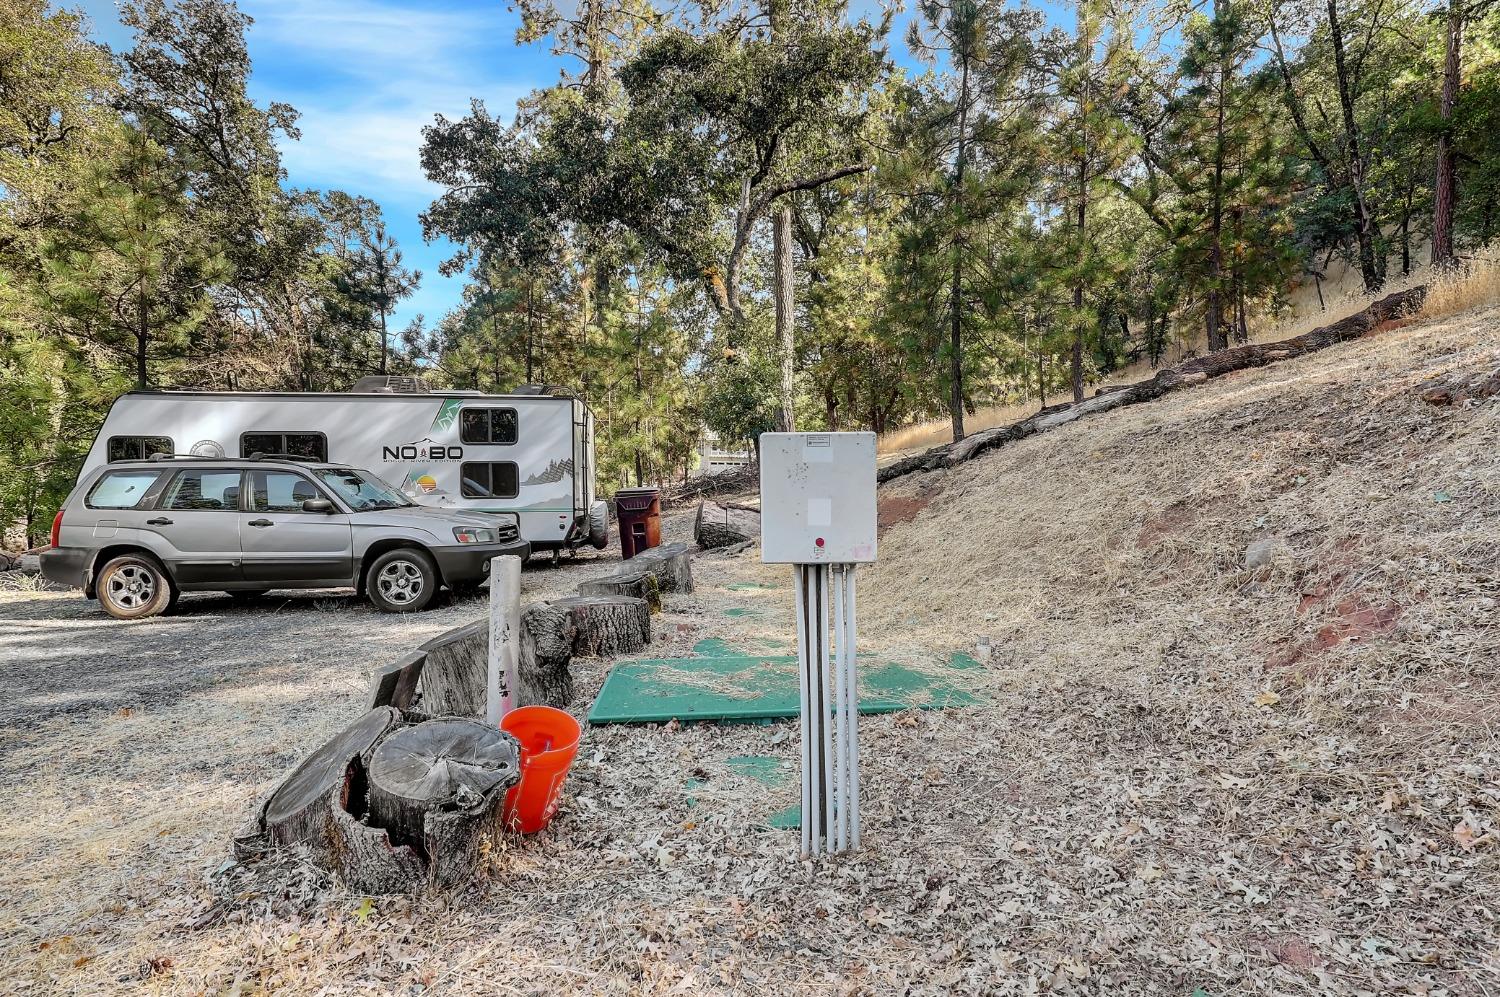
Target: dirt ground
1184	774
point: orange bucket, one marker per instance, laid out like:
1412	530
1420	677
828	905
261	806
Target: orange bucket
549	743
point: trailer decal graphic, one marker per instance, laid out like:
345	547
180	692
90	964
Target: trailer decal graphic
447	415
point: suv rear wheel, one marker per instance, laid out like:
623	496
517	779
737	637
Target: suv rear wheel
403	580
134	586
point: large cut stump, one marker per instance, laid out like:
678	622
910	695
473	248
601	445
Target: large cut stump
634	583
725	525
319	806
552	633
455	677
608	625
439	788
672	565
391	807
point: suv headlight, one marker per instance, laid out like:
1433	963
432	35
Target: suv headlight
473	535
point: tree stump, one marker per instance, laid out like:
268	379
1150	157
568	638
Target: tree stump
724	525
547	636
300	808
396	684
438	788
552	633
630	582
672	565
455	677
608	626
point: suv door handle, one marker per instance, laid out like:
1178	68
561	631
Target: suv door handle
159	521
261	522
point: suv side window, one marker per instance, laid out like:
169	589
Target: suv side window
203	488
280	491
121	490
137	447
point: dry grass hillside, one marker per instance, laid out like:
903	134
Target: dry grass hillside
1289	764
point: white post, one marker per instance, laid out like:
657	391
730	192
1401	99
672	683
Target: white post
505	637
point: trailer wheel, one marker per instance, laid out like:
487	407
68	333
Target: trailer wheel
403	580
133	587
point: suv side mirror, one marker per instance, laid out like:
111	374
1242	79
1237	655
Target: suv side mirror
317	505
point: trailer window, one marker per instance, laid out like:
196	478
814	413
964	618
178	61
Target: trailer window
488	425
121	489
491	479
302	446
138	447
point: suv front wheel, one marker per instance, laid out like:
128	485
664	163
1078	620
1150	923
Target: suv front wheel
403	580
133	586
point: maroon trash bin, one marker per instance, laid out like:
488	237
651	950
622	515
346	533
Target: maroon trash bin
639	513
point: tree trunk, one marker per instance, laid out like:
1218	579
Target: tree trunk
1364	224
1444	192
552	633
955	297
725	525
784	289
1217	340
438	787
142	337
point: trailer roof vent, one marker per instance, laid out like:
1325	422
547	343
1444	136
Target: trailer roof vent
540	389
389	384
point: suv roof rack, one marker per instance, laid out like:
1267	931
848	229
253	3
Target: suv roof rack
292	458
159	456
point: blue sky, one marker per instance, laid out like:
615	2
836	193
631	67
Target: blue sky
366	76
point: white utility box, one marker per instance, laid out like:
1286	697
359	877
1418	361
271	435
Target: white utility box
817	498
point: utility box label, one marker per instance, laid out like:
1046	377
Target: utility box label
817	498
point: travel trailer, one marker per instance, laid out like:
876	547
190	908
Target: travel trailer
529	454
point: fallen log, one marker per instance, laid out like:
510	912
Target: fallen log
1185	374
725	525
438	788
672	564
635	584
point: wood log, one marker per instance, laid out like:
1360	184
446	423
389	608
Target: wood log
438	788
672	564
724	525
547	636
1190	372
396	683
455	677
631	583
607	626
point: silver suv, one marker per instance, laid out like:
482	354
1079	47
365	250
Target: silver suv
134	534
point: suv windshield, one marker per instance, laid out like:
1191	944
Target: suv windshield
361	489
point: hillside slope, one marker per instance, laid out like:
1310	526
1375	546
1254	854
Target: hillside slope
1288	769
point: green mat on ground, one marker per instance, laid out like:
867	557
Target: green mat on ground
727	684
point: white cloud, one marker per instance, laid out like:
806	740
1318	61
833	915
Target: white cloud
366	38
